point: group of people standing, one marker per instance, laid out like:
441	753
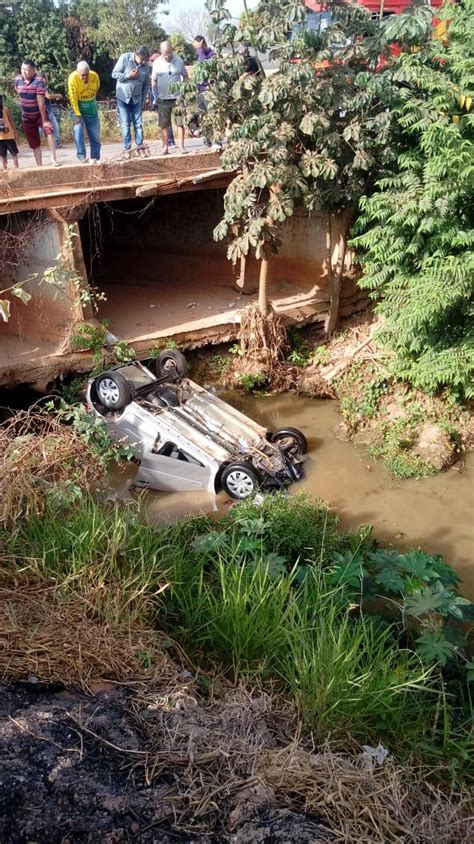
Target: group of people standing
134	85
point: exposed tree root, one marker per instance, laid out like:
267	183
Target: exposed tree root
262	338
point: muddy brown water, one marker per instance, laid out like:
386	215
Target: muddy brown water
435	514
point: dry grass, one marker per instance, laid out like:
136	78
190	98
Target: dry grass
367	804
58	638
231	753
39	454
241	752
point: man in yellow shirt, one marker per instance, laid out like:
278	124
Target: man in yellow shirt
83	85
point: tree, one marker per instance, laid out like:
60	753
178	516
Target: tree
191	23
34	29
310	135
183	48
417	247
125	24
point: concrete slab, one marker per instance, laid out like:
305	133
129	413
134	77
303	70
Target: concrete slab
184	294
78	184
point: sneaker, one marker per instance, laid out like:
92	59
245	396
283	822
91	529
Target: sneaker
55	164
216	147
83	160
94	161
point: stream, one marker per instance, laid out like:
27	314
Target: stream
435	514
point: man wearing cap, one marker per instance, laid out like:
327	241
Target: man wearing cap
133	83
83	86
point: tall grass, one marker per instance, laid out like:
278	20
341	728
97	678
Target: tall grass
345	671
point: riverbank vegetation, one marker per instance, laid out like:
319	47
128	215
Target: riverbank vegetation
382	144
414	434
366	642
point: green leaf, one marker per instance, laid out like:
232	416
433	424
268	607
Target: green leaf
433	647
424	601
390	580
418	564
276	565
308	123
347	569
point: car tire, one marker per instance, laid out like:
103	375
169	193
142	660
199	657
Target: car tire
240	480
171	362
112	390
291	440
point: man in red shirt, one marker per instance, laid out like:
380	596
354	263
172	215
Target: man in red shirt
31	89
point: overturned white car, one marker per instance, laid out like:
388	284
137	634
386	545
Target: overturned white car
186	437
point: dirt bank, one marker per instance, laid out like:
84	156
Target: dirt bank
77	768
167	764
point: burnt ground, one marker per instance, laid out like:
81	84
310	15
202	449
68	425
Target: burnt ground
73	769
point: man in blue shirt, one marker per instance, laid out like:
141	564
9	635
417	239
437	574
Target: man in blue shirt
133	83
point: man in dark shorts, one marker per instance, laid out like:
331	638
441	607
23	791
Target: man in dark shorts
7	137
168	70
31	89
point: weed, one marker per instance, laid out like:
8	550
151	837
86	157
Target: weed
321	355
252	382
360	398
70	392
123	352
93	338
166	343
95	434
300	354
393	446
219	363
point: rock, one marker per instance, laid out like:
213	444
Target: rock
249	801
435	447
342	432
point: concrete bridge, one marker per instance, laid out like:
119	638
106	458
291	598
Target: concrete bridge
140	235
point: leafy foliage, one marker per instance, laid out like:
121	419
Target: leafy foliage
34	29
310	134
416	248
57	35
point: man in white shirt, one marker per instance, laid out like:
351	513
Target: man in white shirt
167	71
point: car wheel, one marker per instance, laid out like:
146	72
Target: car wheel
171	362
291	440
113	390
240	480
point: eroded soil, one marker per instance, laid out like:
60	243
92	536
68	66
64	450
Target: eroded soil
77	768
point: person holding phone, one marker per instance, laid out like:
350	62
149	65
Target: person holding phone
133	84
